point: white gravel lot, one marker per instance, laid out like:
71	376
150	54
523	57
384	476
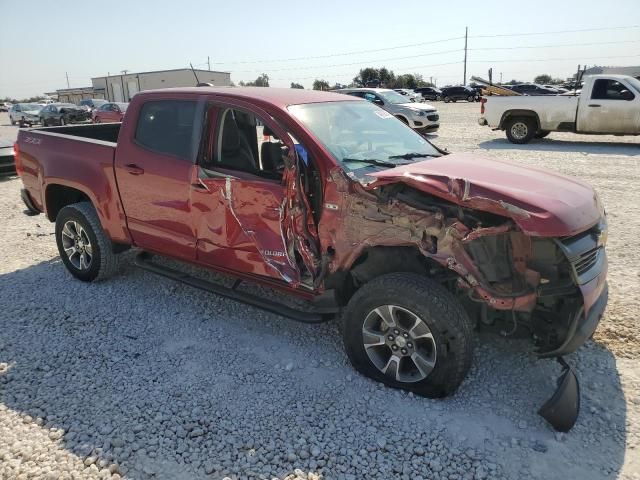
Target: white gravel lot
139	377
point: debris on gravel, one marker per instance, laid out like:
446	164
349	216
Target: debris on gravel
141	378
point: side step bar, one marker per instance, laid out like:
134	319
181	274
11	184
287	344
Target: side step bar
143	261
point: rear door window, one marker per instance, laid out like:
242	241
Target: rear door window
170	127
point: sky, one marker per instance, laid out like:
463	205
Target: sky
41	42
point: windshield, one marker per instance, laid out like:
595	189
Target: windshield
353	131
30	106
393	97
635	83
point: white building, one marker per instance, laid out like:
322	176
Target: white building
121	88
631	71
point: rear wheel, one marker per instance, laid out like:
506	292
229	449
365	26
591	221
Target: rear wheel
446	99
438	98
83	246
520	130
408	332
470	98
97	120
62	122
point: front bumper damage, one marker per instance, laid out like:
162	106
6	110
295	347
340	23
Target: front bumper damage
563	408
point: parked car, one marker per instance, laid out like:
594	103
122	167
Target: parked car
91	104
532	89
25	114
429	93
413	96
109	112
7	161
5	106
453	94
420	116
607	104
556	88
62	114
359	217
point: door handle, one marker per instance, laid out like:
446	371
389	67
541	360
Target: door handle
134	169
594	105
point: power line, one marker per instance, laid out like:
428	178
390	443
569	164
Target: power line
557	45
360	62
555	32
344	53
554	59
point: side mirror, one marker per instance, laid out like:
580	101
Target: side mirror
627	95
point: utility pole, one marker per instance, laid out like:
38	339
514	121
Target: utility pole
67	74
466	34
500	78
208	62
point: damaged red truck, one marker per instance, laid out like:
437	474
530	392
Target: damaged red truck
333	201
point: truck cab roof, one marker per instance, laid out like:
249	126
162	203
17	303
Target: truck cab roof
278	97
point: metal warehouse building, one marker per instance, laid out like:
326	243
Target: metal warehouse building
120	88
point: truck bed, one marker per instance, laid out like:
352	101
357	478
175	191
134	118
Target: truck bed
106	132
552	110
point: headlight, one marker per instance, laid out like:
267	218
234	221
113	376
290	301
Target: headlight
419	113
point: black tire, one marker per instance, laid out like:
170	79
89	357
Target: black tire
104	263
62	122
542	133
471	98
446	99
43	121
438	98
520	130
445	317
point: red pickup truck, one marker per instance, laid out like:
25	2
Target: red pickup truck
333	201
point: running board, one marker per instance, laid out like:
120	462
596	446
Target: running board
143	261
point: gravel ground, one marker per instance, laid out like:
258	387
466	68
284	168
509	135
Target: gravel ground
139	377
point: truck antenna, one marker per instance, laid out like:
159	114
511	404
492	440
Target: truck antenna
194	74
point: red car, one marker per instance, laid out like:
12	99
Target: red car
345	210
109	112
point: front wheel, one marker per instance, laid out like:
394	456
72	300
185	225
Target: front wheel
446	99
409	332
62	122
470	98
83	246
520	130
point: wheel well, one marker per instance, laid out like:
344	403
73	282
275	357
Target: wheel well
59	196
376	261
403	119
519	113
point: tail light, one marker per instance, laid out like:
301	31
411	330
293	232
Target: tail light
16	157
482	102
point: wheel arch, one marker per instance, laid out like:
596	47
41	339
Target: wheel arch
402	118
58	195
376	261
518	113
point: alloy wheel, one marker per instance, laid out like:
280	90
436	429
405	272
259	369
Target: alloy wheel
77	245
399	343
519	130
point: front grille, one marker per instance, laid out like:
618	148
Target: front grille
433	118
586	261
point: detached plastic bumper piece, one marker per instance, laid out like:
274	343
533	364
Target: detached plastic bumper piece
562	409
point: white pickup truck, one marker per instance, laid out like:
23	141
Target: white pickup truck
607	105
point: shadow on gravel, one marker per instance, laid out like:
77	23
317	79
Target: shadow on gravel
551	145
170	382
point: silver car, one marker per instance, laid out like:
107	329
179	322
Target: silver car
422	117
25	113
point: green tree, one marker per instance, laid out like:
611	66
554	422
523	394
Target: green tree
296	85
543	79
320	85
261	81
379	76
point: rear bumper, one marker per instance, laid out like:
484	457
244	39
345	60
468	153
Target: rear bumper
26	199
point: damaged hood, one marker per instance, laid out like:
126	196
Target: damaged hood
540	202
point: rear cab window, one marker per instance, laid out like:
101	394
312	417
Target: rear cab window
170	127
